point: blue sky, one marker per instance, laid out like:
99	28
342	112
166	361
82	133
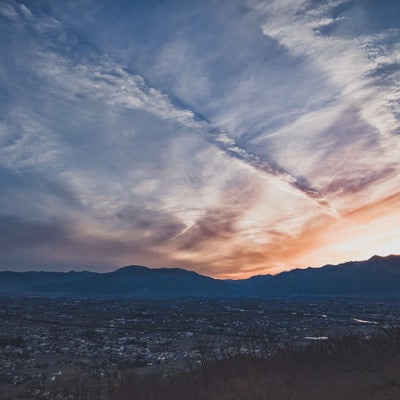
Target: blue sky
228	137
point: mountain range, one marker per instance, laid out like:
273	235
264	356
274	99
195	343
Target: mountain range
378	276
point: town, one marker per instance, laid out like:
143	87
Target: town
44	340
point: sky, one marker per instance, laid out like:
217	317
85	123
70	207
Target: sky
232	138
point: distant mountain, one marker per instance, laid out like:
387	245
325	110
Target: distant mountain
374	277
135	280
378	276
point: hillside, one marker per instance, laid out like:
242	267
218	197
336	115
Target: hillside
378	276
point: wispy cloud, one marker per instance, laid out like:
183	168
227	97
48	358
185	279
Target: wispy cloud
231	158
109	82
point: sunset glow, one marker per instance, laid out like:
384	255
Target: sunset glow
232	138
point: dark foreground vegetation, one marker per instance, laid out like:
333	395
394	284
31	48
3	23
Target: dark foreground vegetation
348	368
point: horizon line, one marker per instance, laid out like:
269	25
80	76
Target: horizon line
207	276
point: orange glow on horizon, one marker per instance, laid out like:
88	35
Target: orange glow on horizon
358	235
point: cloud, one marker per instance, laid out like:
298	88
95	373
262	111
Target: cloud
62	244
8	11
136	141
321	242
333	54
108	82
220	223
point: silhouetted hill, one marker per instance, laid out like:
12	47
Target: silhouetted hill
378	276
137	281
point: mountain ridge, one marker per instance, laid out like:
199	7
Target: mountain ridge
376	276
